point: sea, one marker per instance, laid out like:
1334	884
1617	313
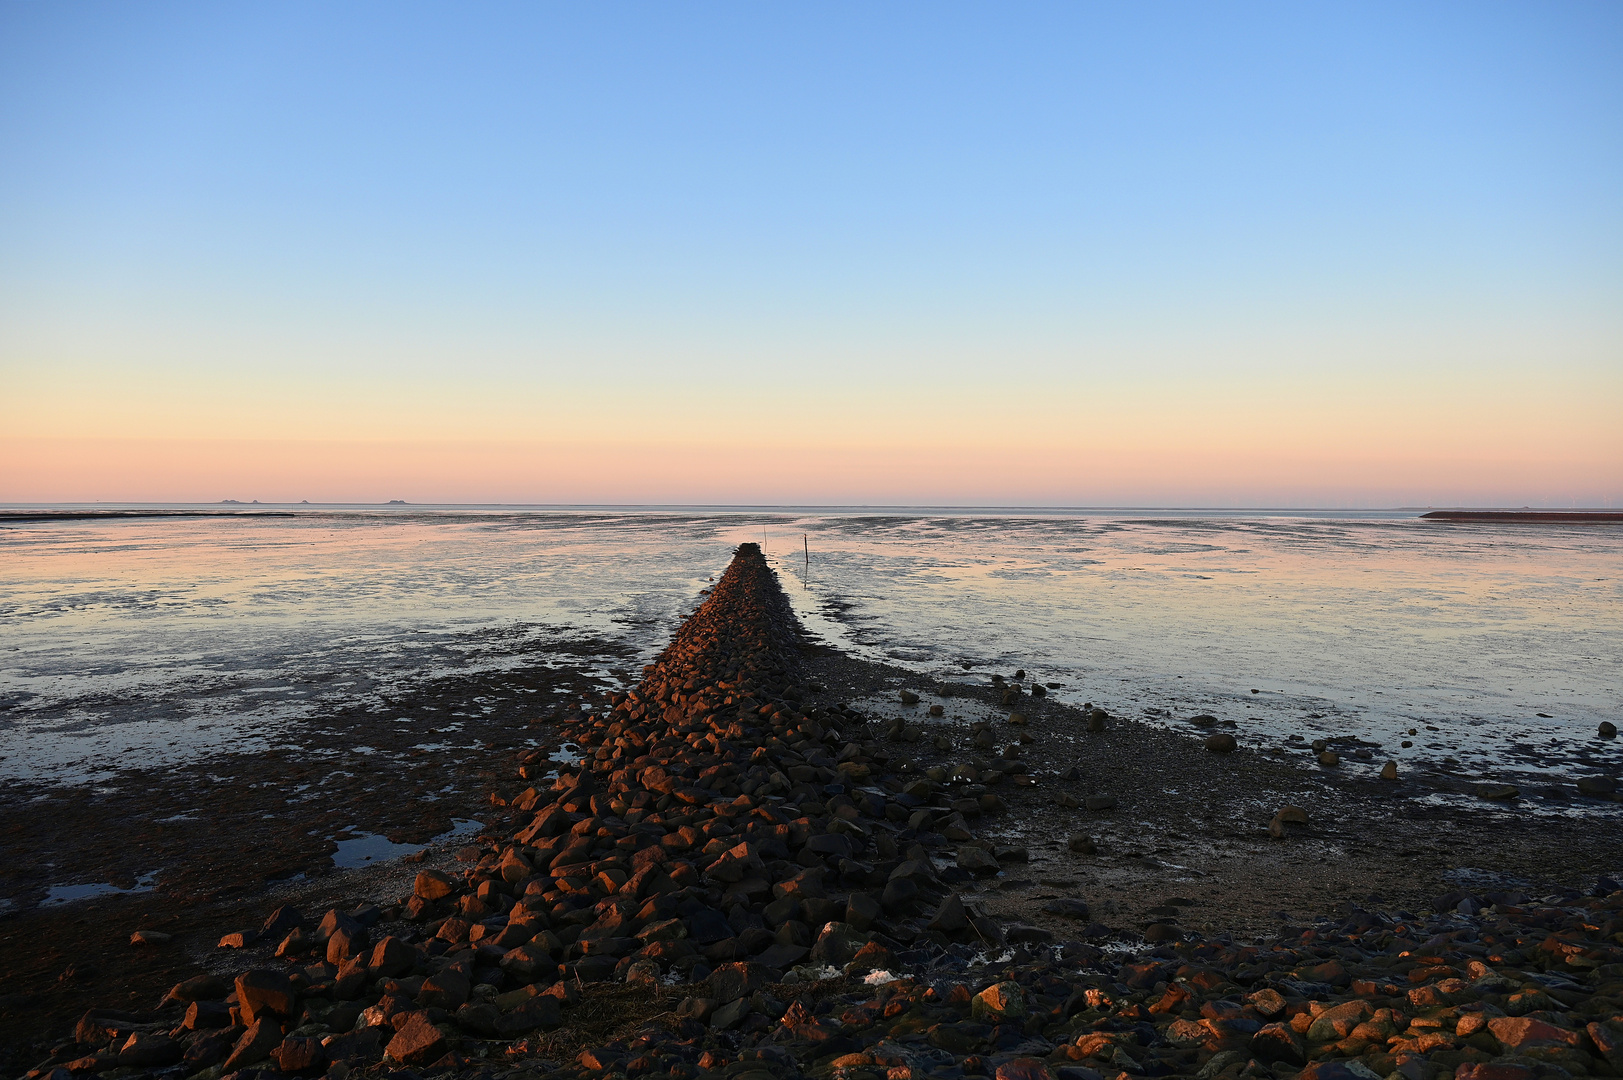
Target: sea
174	633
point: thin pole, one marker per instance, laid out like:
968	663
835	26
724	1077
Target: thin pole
805	538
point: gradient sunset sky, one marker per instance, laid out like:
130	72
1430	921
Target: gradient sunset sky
1354	254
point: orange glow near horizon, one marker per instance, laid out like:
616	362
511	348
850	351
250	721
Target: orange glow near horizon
1152	471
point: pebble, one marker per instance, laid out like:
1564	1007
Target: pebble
1221	743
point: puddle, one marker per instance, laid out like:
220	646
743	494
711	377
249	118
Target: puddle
567	754
366	849
68	894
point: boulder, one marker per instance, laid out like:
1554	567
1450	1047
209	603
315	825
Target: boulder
977	861
416	1042
998	1003
256	1044
266	992
433	885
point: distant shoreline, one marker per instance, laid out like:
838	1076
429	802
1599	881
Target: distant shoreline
1527	517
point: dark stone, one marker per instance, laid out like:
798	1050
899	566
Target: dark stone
262	1036
204	1015
299	1054
1067	908
950	917
282	921
199	988
416	1042
211	1048
708	926
447	990
266	991
738	980
391	958
149	1049
730	1014
542	1013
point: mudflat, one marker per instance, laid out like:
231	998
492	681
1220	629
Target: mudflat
772	858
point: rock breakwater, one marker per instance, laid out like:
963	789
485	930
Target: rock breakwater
734	881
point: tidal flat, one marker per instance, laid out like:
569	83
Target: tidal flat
732	849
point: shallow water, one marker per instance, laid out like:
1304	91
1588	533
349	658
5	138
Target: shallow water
357	849
162	640
1318	626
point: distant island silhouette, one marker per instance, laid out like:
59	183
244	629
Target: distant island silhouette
1527	517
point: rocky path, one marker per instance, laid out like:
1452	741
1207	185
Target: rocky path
738	879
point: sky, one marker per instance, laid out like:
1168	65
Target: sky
1147	254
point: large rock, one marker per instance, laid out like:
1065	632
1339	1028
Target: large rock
1607	1036
1599	786
977	861
256	1044
299	1054
1517	1032
145	1050
1277	1042
527	960
862	911
447	990
417	1042
391	958
347	940
264	991
736	980
210	1048
950	917
433	885
199	988
540	1013
998	1003
1068	908
737	863
1338	1021
836	945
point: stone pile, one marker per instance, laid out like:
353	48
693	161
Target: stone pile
768	899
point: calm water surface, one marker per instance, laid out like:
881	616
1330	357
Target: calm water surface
160	640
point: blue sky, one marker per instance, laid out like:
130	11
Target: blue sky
451	222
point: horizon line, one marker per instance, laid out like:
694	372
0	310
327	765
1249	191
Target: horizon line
235	505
